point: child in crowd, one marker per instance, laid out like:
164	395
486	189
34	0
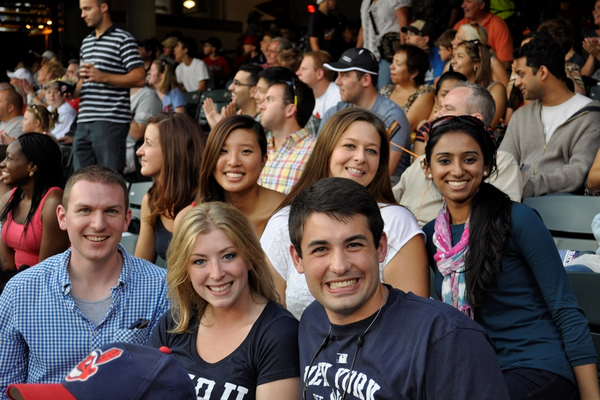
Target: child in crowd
66	113
444	44
217	64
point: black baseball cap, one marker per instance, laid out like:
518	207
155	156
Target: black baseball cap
355	59
420	27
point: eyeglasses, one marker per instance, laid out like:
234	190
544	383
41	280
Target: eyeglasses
458	122
238	83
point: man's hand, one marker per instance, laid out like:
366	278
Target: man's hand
89	73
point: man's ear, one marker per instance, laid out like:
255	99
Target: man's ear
543	72
382	248
104	8
61	216
128	216
366	80
296	259
253	90
320	73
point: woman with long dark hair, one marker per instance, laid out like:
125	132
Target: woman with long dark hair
353	145
236	152
495	261
171	155
30	229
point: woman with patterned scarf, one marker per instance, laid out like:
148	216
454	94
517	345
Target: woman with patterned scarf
495	261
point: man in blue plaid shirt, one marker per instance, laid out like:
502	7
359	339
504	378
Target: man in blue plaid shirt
55	313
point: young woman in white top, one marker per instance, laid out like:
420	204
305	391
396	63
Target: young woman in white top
353	144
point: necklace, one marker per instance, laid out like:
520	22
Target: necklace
359	344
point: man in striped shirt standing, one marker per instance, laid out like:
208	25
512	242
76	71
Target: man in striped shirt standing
110	65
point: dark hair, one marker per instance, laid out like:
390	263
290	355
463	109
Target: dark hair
210	190
544	50
446	38
449	75
339	198
360	74
189	44
417	60
317	166
43	151
299	93
276	74
254	70
182	141
214	42
490	217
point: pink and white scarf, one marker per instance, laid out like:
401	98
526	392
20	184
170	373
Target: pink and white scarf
451	262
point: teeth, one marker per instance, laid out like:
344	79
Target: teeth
234	175
343	284
456	184
96	238
219	288
355	171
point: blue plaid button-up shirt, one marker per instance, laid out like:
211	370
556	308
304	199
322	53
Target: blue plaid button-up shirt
43	334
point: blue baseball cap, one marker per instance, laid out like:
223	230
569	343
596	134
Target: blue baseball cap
116	371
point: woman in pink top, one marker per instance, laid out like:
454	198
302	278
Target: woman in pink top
30	230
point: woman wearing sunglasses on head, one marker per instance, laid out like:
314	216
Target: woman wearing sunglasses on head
495	261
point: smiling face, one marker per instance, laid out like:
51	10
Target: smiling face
30	123
453	103
218	271
95	219
241	93
526	81
356	155
473	9
151	153
457	167
341	266
272	53
596	13
16	167
240	162
461	62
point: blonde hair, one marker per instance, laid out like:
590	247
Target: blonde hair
475	32
48	119
201	220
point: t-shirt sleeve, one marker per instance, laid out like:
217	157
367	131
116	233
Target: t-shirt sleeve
400	226
423	133
275	242
202	71
464	349
148	106
159	336
278	355
178	99
130	54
